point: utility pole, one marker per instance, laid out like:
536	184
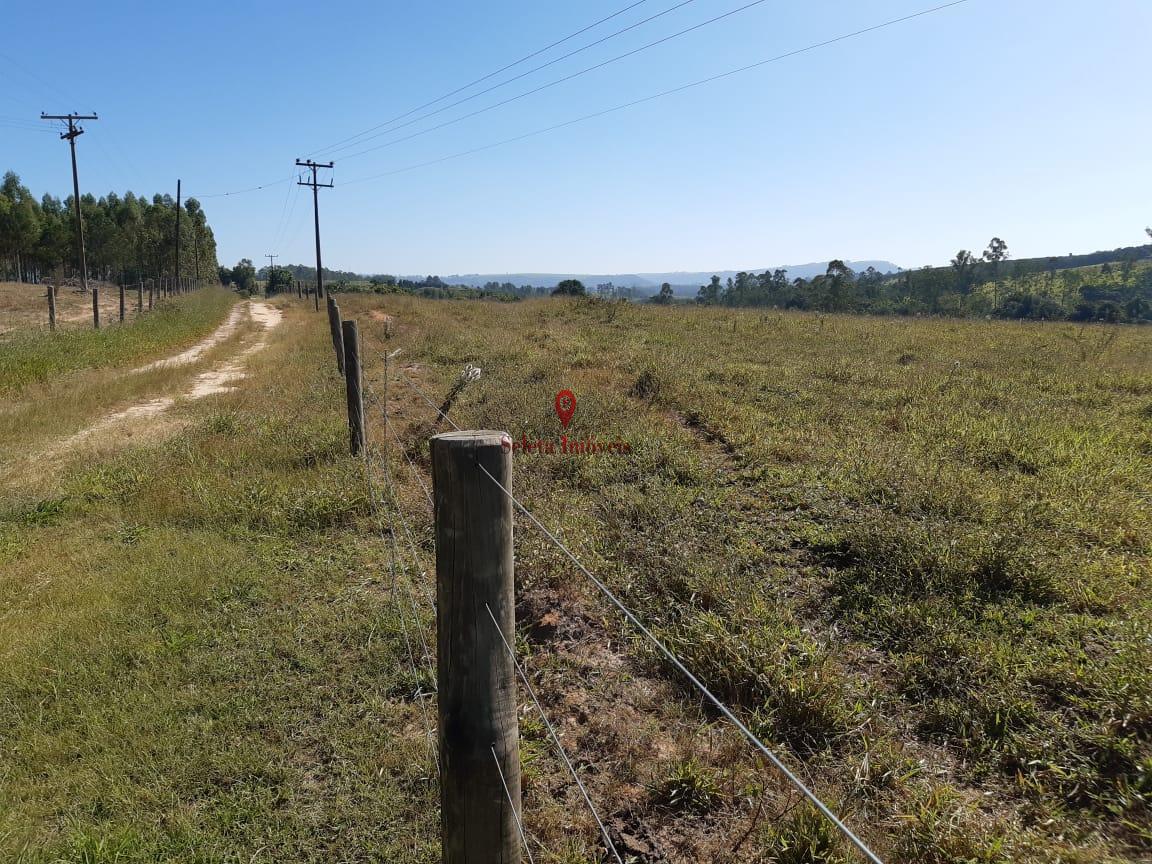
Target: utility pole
316	186
196	250
177	236
74	132
271	270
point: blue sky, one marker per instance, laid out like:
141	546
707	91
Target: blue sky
1024	119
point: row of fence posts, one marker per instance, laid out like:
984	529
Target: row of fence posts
480	799
305	289
162	286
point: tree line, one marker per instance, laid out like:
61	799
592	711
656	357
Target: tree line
985	284
127	237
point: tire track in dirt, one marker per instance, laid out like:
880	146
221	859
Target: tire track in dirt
185	358
221	378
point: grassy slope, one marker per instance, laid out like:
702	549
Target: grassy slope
915	555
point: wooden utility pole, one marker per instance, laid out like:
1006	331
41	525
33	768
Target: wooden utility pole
476	677
51	307
139	298
271	270
178	208
316	186
121	299
353	385
74	132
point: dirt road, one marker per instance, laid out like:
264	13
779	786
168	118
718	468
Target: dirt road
218	379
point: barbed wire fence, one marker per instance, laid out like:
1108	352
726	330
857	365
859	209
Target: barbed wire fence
121	308
415	604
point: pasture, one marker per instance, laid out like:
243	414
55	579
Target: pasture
913	555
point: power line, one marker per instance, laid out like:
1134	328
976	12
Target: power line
490	75
19	127
267	185
283	211
522	75
542	87
46	87
680	89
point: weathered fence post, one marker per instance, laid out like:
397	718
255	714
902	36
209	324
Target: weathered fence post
51	307
96	306
151	294
139	298
350	337
476	678
121	300
334	327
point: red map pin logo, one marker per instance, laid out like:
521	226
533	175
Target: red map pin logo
565	406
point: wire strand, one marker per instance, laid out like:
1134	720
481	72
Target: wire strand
428	727
696	682
484	78
665	93
425	397
515	810
542	87
554	736
412	467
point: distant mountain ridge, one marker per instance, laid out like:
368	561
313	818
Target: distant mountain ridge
683	282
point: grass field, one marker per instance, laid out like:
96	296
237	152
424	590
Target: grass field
914	555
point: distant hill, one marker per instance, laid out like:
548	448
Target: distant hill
684	282
549	280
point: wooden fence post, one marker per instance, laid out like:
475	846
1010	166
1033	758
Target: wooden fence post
334	327
350	339
151	294
51	307
96	306
139	298
121	300
476	678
